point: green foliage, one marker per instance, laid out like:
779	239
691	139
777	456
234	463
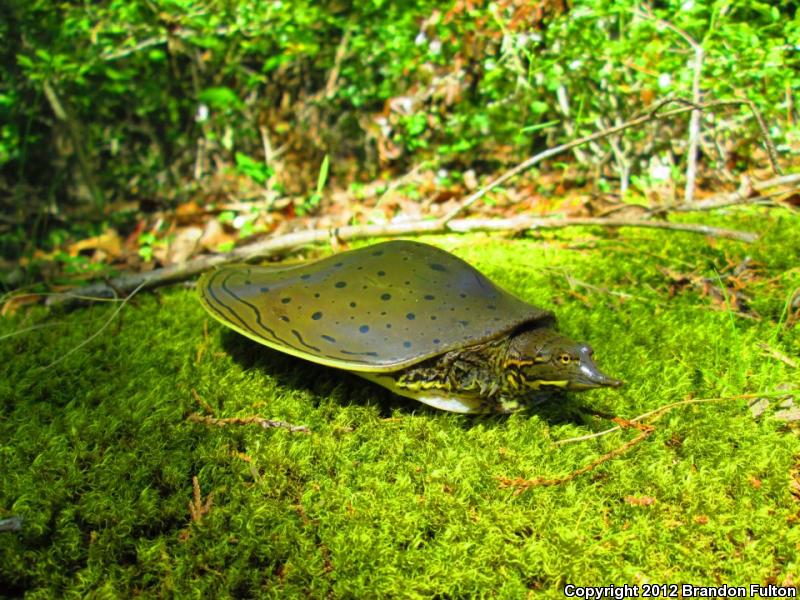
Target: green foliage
143	85
386	498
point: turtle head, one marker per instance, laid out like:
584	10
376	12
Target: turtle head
544	358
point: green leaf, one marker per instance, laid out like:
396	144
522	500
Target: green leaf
223	98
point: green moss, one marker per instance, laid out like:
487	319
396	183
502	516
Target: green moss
387	497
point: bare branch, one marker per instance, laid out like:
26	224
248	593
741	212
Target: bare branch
653	113
291	241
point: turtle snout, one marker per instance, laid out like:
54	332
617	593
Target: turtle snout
589	376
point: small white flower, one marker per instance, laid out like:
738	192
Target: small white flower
688	5
575	64
239	221
435	47
421	38
201	116
664	80
442	173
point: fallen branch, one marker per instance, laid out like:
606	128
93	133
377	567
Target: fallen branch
265	423
291	241
744	195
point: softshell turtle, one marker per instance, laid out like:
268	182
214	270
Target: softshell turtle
410	317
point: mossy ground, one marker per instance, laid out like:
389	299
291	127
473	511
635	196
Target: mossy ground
386	497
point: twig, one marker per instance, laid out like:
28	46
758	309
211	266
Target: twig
694	120
534	223
102	328
197	508
740	196
333	76
520	484
265	423
777	354
290	241
659	412
182	33
203	404
73	129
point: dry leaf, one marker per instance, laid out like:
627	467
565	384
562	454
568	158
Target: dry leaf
109	242
185	244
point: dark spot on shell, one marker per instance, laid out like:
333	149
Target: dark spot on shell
386	296
364	328
316	316
383	312
341	284
248	282
286	300
408	283
435	340
491	307
284	318
316	295
265	289
388	326
437	267
328	338
305	277
464	323
433	317
429	296
406	344
338	264
377	253
411	316
352	305
381	273
463	295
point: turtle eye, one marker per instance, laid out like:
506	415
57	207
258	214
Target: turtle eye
564	358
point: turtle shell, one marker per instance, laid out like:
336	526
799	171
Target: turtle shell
375	309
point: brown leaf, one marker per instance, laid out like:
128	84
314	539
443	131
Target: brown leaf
185	244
